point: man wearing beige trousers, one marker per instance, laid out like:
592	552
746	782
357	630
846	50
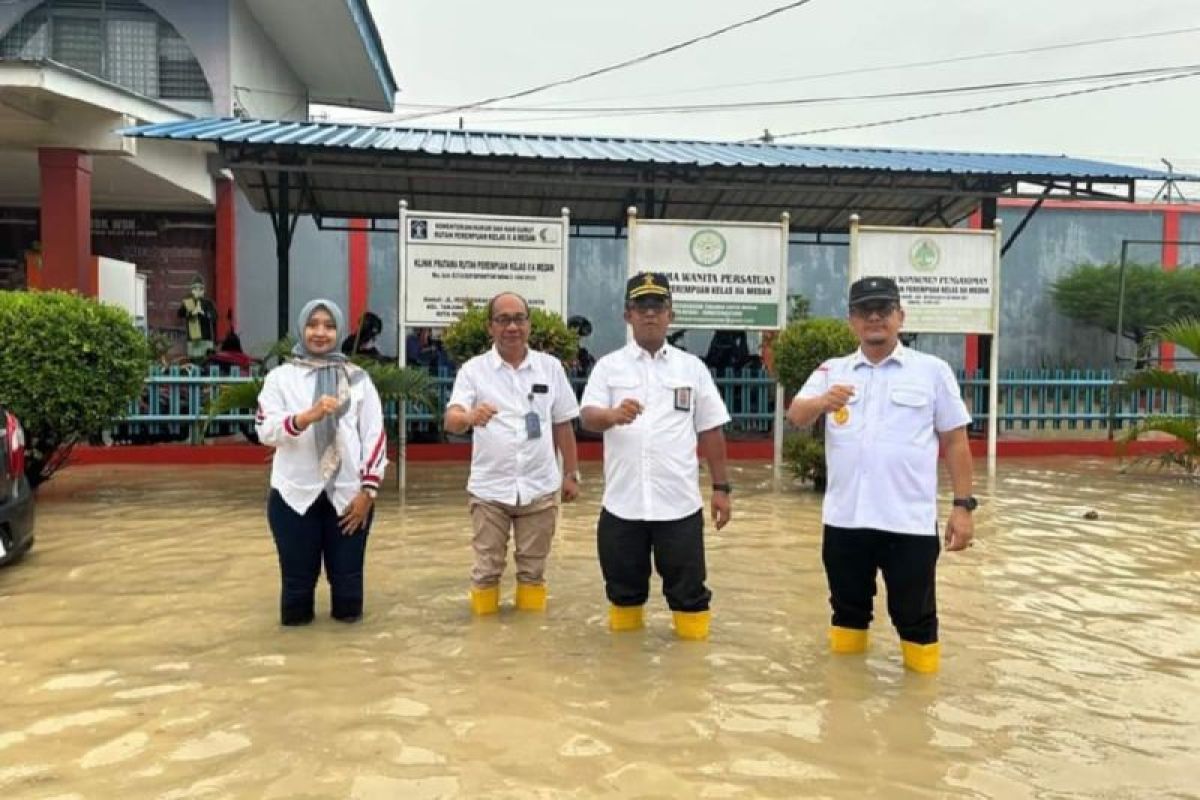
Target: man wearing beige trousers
519	405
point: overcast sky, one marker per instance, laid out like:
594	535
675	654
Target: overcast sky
454	51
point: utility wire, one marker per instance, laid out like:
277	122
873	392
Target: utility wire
560	107
987	107
585	112
614	67
903	65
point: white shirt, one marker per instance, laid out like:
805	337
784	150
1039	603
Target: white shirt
651	471
507	466
295	472
881	450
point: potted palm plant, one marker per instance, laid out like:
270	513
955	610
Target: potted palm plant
1183	333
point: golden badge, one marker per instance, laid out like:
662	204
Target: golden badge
842	415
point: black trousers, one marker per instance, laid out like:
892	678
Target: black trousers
302	540
852	556
625	547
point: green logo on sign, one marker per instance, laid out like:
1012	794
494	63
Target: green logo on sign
707	248
924	255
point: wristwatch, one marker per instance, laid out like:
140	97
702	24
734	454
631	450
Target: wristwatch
575	475
727	488
970	503
371	491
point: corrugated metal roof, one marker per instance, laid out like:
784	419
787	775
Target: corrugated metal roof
554	147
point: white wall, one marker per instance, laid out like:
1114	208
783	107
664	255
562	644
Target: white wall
261	81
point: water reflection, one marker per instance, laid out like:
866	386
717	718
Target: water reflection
139	656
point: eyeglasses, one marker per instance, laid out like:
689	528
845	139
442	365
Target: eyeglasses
504	320
648	307
883	308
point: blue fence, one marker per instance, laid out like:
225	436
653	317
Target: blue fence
173	404
1067	400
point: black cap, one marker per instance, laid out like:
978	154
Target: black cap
864	290
647	284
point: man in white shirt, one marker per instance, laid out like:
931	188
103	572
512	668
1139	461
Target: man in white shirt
887	409
655	404
519	404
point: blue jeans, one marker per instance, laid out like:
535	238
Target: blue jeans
302	540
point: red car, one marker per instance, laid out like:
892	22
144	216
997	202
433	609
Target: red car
16	498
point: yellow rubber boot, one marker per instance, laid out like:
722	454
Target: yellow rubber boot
485	600
846	641
691	625
923	658
531	597
625	618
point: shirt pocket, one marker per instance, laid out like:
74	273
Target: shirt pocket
849	418
908	412
622	388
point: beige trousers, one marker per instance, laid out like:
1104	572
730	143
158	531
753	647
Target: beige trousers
532	526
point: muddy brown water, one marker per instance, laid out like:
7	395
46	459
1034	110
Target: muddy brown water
140	656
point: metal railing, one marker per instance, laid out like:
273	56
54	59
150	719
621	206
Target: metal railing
173	403
1067	400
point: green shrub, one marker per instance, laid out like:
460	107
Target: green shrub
799	349
69	367
805	344
468	335
804	455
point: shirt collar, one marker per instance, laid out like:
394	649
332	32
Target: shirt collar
496	362
899	355
636	352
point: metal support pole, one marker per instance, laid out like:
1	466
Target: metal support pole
283	249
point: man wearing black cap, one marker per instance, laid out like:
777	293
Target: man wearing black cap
887	410
655	404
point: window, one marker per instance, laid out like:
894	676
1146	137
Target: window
120	41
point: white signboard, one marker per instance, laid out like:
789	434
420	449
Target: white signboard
117	284
949	282
946	277
724	275
448	261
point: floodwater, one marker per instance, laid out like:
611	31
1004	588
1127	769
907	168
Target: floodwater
140	656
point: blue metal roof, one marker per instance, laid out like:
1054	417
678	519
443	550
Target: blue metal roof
652	151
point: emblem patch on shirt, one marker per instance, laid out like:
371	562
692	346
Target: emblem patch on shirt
841	416
683	398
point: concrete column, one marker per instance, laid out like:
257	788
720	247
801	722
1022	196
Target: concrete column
66	220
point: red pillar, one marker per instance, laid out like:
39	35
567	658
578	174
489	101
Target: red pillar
226	267
66	220
971	345
1170	260
357	252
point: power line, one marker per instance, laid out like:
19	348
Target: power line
752	105
621	65
560	108
903	65
987	107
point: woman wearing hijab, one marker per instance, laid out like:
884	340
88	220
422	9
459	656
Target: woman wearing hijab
323	417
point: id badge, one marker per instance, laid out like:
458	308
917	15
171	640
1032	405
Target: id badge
533	425
683	398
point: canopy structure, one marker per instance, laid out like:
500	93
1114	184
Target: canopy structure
339	171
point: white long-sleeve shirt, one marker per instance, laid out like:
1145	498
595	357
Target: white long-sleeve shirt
295	473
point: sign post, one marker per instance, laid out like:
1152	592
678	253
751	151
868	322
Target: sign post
451	262
724	276
949	280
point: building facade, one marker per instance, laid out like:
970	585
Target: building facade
75	72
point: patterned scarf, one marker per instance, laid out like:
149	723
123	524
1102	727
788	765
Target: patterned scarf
335	376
